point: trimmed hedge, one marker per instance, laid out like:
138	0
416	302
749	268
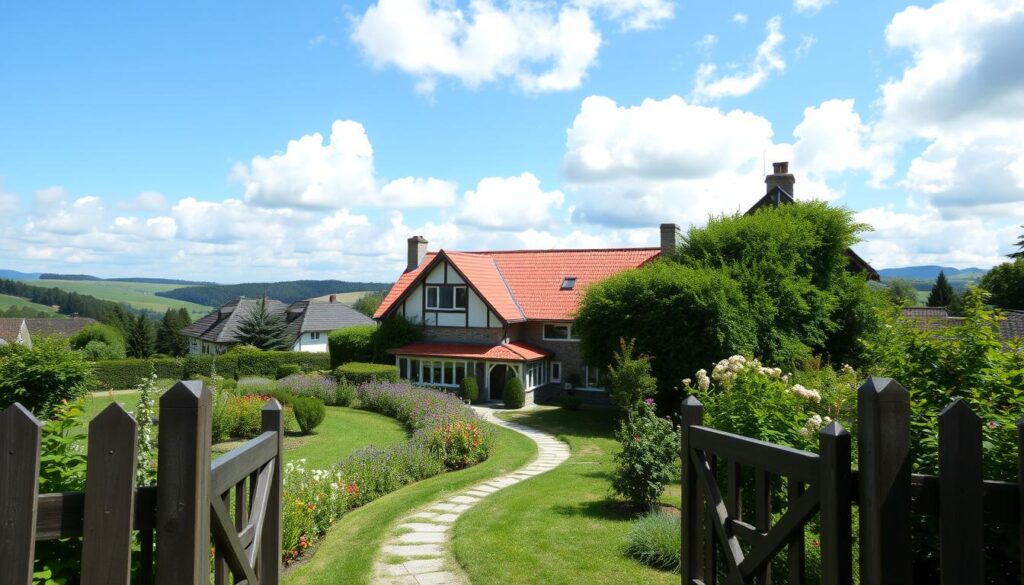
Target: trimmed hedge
285	370
359	372
514	394
351	344
309	413
121	374
469	390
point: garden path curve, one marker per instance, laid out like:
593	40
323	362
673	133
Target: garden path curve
419	552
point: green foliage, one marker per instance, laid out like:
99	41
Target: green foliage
394	332
265	363
359	372
901	292
351	344
469	389
942	292
1006	284
570	402
1019	253
968	362
240	416
263	329
629	377
139	341
97	350
122	374
127	373
514	395
345	395
145	412
98	332
168	339
26	312
67	303
285	370
648	460
309	413
44	377
368	303
656	540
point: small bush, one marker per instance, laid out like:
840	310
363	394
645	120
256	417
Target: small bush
285	370
351	344
656	540
44	377
309	413
240	416
98	332
648	460
514	395
322	387
359	372
345	394
459	444
570	402
469	390
629	378
98	350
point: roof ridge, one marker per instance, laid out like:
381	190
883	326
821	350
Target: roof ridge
554	250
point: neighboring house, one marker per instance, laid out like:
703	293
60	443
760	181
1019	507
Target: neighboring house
937	319
308	323
14	330
63	327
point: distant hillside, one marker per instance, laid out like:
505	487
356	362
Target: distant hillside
15	275
287	292
52	276
162	281
931	273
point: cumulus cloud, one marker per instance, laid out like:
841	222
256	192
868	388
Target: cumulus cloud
49	196
510	203
709	85
415	192
832	139
83	215
160	228
810	6
542	47
706	42
740	18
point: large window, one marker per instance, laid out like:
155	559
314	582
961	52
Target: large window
435	372
556	371
594	377
536	375
559	332
446	298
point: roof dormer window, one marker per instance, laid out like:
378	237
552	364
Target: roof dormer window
568	283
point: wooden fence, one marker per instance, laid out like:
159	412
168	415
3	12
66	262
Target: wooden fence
721	542
171	520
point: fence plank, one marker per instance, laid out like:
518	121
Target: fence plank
183	486
110	498
710	542
763	516
961	499
691	414
883	412
796	556
270	540
20	433
836	509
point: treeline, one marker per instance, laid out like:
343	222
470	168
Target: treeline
25	313
53	276
286	292
140	279
67	303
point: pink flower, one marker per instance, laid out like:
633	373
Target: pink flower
649	402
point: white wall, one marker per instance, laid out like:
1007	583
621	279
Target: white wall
478	311
306	342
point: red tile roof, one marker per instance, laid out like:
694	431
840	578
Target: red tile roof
516	351
526	284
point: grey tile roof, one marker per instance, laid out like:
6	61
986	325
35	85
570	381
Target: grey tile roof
324	316
10	328
221	325
1013	326
57	326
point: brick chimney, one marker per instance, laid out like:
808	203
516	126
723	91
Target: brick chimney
669	238
780	177
332	299
417	250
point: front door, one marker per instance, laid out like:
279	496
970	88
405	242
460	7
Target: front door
497	381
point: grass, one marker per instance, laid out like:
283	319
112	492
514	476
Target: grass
8	301
563	526
139	295
347	553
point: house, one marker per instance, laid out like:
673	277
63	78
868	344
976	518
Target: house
63	327
1011	326
497	315
308	324
14	330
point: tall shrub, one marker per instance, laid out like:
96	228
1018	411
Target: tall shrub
351	344
394	332
469	389
44	377
629	377
514	394
648	459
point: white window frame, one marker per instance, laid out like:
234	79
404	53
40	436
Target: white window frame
314	335
455	296
426	367
552	367
586	378
568	332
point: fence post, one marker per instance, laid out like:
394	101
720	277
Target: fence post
183	486
691	414
270	542
110	498
883	413
20	434
961	496
1020	489
836	504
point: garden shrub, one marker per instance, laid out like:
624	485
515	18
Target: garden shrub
514	394
97	350
309	413
351	344
265	363
240	416
469	389
285	370
313	500
99	332
345	393
360	372
44	377
656	540
394	332
648	460
570	402
324	388
458	444
255	385
379	471
629	377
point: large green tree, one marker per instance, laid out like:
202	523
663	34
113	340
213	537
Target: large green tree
1006	284
263	329
942	294
168	339
139	341
902	292
368	303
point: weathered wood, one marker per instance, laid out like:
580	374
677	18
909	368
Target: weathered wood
779	536
270	535
60	514
691	415
183	486
836	509
734	490
710	542
763	517
961	523
110	501
783	461
20	434
732	553
796	556
883	412
235	465
228	545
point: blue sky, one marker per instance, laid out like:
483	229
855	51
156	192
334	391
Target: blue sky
240	141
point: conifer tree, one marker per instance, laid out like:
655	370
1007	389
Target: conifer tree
169	340
1020	248
139	341
263	329
942	293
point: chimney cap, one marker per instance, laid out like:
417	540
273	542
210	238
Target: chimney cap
780	168
417	239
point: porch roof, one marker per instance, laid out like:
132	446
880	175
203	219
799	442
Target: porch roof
515	351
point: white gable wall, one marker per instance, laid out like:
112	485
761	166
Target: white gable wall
476	314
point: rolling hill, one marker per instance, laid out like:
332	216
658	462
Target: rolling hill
930	273
137	295
8	301
286	292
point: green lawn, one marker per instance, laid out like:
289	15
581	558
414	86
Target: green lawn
136	294
561	527
7	301
347	552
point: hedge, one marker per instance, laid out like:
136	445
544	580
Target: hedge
351	344
121	374
359	372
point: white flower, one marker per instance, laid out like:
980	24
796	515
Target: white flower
703	382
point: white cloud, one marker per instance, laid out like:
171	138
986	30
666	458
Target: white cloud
160	228
229	221
740	18
316	41
706	42
84	215
833	139
810	6
767	60
806	42
415	192
510	203
50	196
540	46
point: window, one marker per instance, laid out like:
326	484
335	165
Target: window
568	283
446	298
434	372
556	371
593	377
559	332
536	375
314	335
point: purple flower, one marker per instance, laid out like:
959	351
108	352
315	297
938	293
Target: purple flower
649	402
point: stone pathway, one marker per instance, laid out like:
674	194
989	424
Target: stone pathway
419	551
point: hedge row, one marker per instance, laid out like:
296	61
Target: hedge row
121	374
358	372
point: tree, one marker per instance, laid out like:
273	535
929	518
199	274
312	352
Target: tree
139	341
368	303
942	293
119	318
99	341
1006	284
1020	248
901	292
168	339
629	377
264	330
44	377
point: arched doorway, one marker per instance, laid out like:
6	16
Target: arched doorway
498	376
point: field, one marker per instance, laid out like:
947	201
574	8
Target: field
345	298
136	294
7	301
